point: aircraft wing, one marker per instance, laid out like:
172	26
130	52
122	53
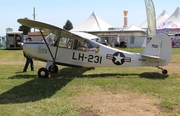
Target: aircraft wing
54	29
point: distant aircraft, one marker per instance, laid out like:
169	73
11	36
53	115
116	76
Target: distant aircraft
62	47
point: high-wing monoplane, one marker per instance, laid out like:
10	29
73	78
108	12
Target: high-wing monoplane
79	49
67	48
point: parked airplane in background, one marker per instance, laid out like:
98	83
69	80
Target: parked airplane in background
78	49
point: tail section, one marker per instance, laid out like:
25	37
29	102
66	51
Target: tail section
159	49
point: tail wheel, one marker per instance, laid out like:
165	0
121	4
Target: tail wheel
53	68
164	71
43	73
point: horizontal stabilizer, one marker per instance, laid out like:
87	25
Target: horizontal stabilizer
149	56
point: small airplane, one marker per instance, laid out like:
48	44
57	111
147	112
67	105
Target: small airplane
79	49
68	48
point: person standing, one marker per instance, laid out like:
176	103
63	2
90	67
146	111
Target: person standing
28	59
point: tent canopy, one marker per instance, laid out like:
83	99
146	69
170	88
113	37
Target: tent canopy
175	17
164	21
93	23
168	25
161	18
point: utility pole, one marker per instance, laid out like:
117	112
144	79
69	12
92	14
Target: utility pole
34	15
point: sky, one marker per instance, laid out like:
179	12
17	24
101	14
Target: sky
57	12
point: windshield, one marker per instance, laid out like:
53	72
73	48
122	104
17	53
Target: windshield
80	44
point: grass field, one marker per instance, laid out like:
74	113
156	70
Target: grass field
136	91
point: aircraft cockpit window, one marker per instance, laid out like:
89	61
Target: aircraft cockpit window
50	39
86	46
56	40
66	43
75	44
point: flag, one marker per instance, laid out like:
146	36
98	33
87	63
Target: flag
151	17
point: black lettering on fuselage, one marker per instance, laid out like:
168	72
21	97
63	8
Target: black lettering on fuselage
87	58
154	46
81	56
73	57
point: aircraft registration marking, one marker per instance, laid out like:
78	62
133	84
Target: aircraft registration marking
89	58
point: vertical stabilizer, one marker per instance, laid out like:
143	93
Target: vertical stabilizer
159	48
151	17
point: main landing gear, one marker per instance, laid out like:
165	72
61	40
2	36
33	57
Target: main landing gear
164	71
44	72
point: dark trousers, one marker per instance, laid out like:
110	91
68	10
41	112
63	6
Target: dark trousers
28	60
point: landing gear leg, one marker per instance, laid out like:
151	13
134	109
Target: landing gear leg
164	71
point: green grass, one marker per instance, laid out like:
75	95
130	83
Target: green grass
11	55
23	94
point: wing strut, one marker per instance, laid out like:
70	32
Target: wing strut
47	45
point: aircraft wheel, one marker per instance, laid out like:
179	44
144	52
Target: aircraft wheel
53	69
164	71
43	73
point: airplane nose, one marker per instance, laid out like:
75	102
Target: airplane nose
29	49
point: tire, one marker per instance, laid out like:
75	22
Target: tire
43	73
53	69
164	71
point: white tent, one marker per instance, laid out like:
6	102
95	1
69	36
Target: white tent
175	17
171	25
93	23
161	18
168	25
